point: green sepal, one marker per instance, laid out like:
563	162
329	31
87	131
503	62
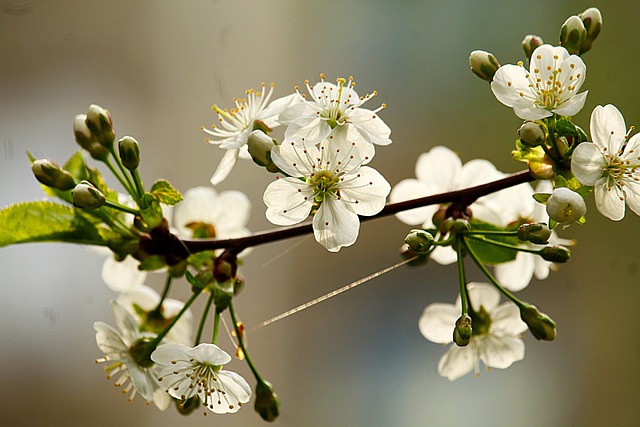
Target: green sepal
202	260
150	210
223	294
541	197
492	254
152	263
46	222
524	153
553	224
564	127
165	192
582	220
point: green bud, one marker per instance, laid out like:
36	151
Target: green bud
573	34
592	20
260	146
532	134
463	331
86	196
101	126
50	174
483	64
531	43
129	150
460	225
541	326
537	233
141	351
86	139
267	403
225	266
555	254
407	253
419	241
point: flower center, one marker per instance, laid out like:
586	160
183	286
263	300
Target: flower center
324	182
480	321
548	87
202	230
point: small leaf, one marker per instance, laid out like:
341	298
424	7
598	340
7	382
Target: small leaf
564	127
46	222
150	210
541	197
165	193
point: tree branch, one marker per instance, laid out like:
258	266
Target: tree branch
464	197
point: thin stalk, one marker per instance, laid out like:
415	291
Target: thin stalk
256	374
203	319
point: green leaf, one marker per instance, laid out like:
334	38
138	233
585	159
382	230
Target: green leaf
541	197
46	222
487	252
150	210
565	127
524	153
165	193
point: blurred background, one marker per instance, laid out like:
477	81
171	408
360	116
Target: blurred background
358	359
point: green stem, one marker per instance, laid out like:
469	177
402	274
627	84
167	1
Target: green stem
232	312
203	319
165	292
506	245
138	182
216	327
121	208
491	233
123	181
489	276
551	126
464	297
185	307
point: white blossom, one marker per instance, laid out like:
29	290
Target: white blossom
116	343
565	206
188	372
497	346
237	124
610	163
550	85
331	181
334	110
122	276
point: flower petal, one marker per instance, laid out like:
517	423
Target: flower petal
335	225
506	320
236	392
482	295
457	361
225	166
288	201
516	275
501	352
209	354
587	162
609	200
438	321
607	128
572	106
122	276
369	191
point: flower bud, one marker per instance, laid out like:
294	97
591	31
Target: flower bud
267	403
541	326
260	145
48	172
225	266
537	233
86	196
86	140
531	43
101	126
573	34
460	225
419	241
592	20
463	331
129	150
532	134
483	64
555	254
565	206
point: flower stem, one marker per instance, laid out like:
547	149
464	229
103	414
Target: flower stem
505	245
185	307
216	327
464	297
165	292
232	312
203	319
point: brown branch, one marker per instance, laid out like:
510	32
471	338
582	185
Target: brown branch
464	197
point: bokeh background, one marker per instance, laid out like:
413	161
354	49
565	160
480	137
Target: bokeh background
359	359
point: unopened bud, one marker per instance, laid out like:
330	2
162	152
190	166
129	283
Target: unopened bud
86	139
573	35
537	233
531	43
129	150
86	196
260	145
463	331
541	326
419	241
558	254
483	64
460	225
225	266
101	126
267	402
48	172
592	20
532	134
565	206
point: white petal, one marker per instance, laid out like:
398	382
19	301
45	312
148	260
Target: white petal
438	169
142	380
370	126
108	339
209	353
309	130
293	160
587	162
236	390
501	352
232	212
531	112
607	128
516	275
457	361
225	166
509	82
369	189
166	354
335	225
573	105
122	276
483	294
609	200
444	255
438	321
409	189
297	109
270	114
286	203
632	196
506	320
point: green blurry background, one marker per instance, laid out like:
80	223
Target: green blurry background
359	359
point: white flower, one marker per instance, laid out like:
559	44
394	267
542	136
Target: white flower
204	212
610	163
334	110
141	302
550	86
115	345
565	206
122	276
237	124
187	372
328	178
496	341
440	171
